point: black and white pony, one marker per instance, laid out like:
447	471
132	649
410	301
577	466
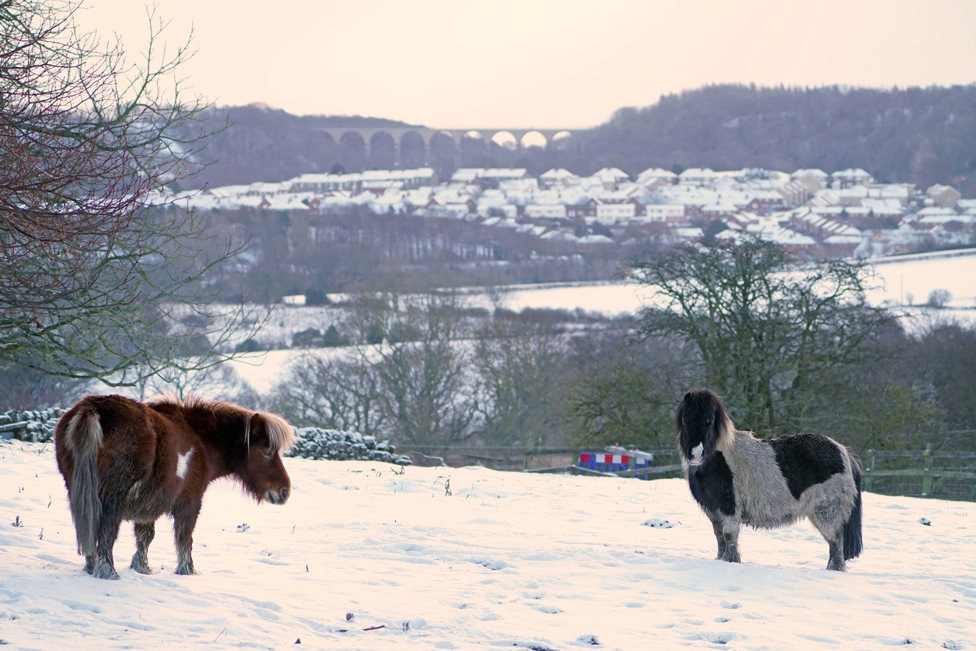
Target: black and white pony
739	479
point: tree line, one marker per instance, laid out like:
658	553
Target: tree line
317	254
791	347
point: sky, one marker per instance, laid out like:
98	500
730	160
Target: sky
539	63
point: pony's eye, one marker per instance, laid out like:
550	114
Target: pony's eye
269	453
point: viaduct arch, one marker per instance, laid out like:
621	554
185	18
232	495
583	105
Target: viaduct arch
427	134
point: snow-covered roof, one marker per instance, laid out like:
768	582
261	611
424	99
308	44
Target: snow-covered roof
814	172
557	174
656	173
611	173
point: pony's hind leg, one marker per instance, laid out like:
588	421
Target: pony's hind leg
836	559
145	532
184	520
108	531
824	518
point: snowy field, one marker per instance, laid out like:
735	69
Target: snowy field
508	560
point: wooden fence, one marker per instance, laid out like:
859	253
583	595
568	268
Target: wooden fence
924	473
915	473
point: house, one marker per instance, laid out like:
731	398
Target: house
718	211
697	176
610	211
494	177
943	195
655	176
259	188
558	177
609	178
850	177
467	174
664	212
794	193
811	179
545	211
763	202
411	179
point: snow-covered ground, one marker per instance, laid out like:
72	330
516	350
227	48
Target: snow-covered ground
506	560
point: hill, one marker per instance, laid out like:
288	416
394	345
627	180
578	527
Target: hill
259	143
918	135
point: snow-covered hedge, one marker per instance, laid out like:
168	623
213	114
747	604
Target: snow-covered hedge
30	425
337	445
312	443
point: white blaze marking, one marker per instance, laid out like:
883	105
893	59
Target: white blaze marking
696	453
183	463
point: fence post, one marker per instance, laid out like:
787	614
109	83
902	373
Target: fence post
868	479
927	479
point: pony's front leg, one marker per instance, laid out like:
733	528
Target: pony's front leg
727	534
145	532
184	520
717	528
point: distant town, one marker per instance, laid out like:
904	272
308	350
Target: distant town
842	214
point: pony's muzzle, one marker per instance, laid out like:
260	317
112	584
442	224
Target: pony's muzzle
280	497
697	455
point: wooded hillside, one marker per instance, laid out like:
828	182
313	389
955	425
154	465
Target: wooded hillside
919	135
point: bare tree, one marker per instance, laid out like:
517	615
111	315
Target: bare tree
769	332
522	370
90	260
413	344
340	392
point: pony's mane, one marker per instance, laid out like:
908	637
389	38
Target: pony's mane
281	436
280	433
726	429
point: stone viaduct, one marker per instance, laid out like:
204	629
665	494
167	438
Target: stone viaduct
371	138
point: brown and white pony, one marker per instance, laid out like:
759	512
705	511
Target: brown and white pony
127	460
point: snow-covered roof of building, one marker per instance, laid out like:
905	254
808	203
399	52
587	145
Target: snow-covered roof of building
852	174
697	174
656	173
613	173
557	174
937	189
594	239
816	173
506	173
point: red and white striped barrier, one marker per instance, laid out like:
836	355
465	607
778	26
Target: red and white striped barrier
590	457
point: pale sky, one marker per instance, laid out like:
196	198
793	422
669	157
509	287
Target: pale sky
541	63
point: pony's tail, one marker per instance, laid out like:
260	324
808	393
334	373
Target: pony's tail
852	528
84	437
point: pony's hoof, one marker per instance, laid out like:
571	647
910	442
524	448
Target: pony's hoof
140	566
185	569
104	570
